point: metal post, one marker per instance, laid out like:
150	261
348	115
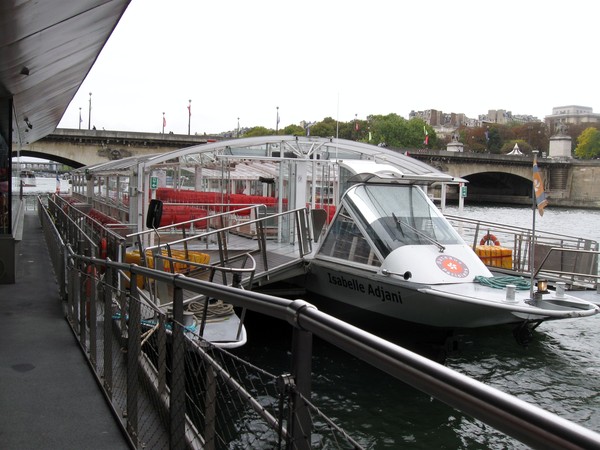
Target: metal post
177	398
82	299
91	316
74	294
161	338
108	355
210	409
133	355
300	429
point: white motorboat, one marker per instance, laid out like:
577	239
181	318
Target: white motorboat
391	252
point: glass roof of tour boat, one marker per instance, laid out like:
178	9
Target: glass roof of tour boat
273	149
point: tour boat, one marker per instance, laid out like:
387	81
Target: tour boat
390	251
28	178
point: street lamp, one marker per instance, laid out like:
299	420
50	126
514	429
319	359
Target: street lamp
238	128
90	113
80	117
189	115
277	122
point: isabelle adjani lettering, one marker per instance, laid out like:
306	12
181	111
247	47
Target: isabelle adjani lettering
365	288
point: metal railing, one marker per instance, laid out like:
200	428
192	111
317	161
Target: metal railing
557	257
173	390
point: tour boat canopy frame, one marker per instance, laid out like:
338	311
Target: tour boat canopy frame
305	157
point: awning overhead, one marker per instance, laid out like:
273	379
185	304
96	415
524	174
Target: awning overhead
46	50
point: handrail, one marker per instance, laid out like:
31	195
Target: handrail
567	250
75	224
518	230
199	219
106	227
220	230
526	422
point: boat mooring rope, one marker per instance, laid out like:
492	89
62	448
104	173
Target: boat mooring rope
501	282
217	310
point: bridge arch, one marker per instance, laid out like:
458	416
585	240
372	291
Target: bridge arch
56	158
499	186
469	170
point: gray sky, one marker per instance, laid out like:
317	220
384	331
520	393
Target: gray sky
316	59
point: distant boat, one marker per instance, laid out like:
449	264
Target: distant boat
28	178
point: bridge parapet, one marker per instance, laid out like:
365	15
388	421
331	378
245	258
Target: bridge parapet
78	148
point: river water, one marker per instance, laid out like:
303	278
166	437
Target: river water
559	371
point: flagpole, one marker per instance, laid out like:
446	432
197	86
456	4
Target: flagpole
532	249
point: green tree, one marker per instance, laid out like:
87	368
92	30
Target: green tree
259	131
326	128
588	144
415	134
389	130
494	140
294	130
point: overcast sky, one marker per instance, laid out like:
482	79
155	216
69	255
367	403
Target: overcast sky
316	59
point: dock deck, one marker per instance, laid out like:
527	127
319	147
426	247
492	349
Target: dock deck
48	396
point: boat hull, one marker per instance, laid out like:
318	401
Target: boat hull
464	305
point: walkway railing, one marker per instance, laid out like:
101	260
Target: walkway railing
173	390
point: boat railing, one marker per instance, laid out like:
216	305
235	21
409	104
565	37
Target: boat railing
582	279
296	219
157	378
558	257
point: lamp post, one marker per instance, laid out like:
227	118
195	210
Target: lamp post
238	128
80	117
277	122
90	113
164	122
189	115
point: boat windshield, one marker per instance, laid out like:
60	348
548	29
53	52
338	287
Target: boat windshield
396	215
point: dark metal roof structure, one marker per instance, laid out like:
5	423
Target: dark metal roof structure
47	48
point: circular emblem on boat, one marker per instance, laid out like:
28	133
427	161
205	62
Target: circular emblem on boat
452	266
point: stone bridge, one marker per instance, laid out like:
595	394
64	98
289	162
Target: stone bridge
508	178
491	177
77	148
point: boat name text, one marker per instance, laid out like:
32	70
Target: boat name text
375	291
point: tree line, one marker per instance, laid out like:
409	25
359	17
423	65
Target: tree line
394	131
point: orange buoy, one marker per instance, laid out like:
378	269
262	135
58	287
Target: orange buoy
489	238
103	248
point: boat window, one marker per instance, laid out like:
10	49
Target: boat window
396	215
345	241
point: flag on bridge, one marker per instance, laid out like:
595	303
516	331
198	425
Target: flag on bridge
426	140
538	186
